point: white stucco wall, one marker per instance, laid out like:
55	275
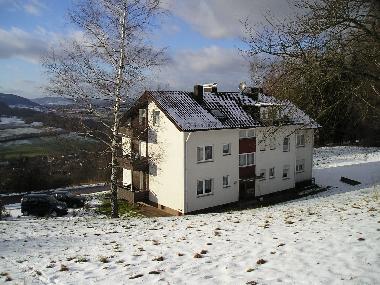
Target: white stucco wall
216	169
274	158
306	152
166	150
126	147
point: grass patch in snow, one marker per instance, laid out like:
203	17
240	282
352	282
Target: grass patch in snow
125	209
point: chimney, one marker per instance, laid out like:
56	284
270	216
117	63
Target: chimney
210	87
198	92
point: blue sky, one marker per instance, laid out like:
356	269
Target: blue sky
202	37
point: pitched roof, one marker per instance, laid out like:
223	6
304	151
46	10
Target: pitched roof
222	110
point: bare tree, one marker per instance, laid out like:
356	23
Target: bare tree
107	61
326	59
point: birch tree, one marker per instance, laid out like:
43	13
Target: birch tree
107	60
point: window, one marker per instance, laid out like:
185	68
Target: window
246	159
285	172
247	133
300	138
156	118
142	148
286	144
226	181
227	149
300	165
242	160
204	153
272	143
204	187
242	134
251	133
271	172
262	174
142	116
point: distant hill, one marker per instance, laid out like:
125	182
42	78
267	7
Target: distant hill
53	101
15	100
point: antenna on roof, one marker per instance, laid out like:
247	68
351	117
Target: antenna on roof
242	86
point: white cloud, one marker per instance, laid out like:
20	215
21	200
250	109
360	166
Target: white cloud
33	7
18	43
221	18
30	46
211	64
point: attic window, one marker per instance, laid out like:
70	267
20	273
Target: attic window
156	118
142	116
217	114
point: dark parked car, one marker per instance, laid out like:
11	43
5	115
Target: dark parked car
71	200
42	205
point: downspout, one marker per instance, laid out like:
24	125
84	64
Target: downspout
185	178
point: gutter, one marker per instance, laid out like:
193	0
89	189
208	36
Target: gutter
185	174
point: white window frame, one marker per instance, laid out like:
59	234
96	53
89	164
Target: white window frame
142	148
203	181
156	118
300	142
203	148
229	149
247	134
286	169
300	166
246	159
274	173
142	116
263	171
228	181
287	149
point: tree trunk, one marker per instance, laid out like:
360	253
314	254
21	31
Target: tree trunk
114	166
115	129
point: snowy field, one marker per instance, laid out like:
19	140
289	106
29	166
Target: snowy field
329	238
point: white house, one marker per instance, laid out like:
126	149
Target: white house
187	151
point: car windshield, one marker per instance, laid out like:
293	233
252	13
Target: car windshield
52	199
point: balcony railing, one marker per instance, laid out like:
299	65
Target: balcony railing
134	163
138	131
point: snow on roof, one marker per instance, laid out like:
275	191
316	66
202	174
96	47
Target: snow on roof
190	114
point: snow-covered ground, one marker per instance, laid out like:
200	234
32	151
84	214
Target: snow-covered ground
329	238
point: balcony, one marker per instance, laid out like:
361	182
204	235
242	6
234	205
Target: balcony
137	131
125	193
134	163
